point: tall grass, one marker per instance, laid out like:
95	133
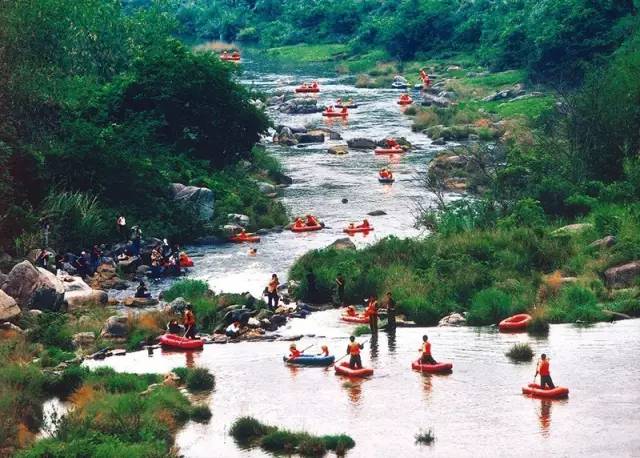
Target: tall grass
520	352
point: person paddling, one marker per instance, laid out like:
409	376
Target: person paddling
426	351
189	322
294	352
353	349
545	375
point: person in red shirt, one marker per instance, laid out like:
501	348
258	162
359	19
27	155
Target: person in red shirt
353	349
314	84
189	321
311	220
372	313
294	352
426	351
545	374
299	223
391	143
365	224
351	311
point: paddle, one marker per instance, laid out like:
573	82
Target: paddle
301	351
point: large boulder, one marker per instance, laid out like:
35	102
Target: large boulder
8	307
202	198
343	244
605	242
72	283
266	188
301	105
515	91
430	100
338	150
116	326
79	299
455	319
130	265
313	136
34	287
139	302
83	339
623	276
107	278
361	143
237	218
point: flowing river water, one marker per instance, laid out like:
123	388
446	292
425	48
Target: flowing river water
477	410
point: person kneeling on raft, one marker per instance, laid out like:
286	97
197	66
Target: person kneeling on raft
351	311
353	349
294	352
426	351
545	375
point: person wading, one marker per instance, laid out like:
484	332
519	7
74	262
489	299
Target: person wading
353	349
272	292
189	322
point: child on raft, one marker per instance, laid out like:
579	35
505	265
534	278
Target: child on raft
426	357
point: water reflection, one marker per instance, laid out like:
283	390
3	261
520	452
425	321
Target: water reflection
427	385
391	340
353	386
544	415
374	347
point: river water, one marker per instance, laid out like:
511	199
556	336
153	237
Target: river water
477	410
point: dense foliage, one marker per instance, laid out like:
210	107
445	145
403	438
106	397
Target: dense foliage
552	39
101	110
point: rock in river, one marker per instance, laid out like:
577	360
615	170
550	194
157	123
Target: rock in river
34	287
201	198
343	244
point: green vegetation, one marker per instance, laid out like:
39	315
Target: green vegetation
196	379
520	352
303	53
538	325
425	437
93	129
361	330
248	431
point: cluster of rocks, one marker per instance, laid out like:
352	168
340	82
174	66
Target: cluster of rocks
294	135
300	105
516	91
362	143
454	172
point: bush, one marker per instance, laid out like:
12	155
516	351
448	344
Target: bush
520	352
361	330
111	381
198	379
248	429
489	306
201	414
66	382
51	330
280	441
425	437
187	289
312	447
339	443
538	326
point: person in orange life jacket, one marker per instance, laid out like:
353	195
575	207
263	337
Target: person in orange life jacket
294	352
372	313
189	321
299	222
391	143
405	97
365	224
314	84
330	109
426	351
543	370
351	311
353	349
312	221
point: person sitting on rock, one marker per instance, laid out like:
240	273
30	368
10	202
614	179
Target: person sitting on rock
173	327
426	357
142	291
233	330
294	352
189	321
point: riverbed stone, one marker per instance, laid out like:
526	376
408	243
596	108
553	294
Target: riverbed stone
106	278
115	327
9	308
202	198
34	287
266	188
622	276
605	242
343	244
84	298
377	213
239	219
455	319
338	150
139	302
83	339
313	136
361	143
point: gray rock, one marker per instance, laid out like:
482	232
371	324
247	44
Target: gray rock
178	304
231	229
301	105
33	287
377	213
202	198
338	150
343	244
3	278
116	326
439	142
239	219
429	100
314	136
139	302
334	136
142	270
605	242
83	339
7	326
130	265
266	188
455	319
71	283
79	299
623	276
262	231
9	309
572	228
361	143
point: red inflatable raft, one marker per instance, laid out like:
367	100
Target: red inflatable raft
335	114
353	230
244	238
432	368
394	150
306	228
180	343
549	393
360	319
307	89
344	369
405	101
515	323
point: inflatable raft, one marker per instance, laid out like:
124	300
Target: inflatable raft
301	89
432	368
335	114
353	230
344	369
395	150
535	390
310	360
359	319
306	228
244	238
515	323
180	343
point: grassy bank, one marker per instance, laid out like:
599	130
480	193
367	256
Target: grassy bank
111	413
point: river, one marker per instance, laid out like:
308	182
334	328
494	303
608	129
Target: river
477	410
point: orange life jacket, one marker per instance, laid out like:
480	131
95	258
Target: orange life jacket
294	353
354	348
544	367
426	348
189	318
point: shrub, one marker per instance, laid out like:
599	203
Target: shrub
312	447
411	110
248	429
199	379
520	352
280	441
489	307
627	306
187	289
200	413
119	382
339	443
538	325
54	356
425	437
66	382
418	309
361	330
425	119
51	330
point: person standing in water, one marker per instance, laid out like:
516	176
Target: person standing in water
545	375
189	322
372	313
353	349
